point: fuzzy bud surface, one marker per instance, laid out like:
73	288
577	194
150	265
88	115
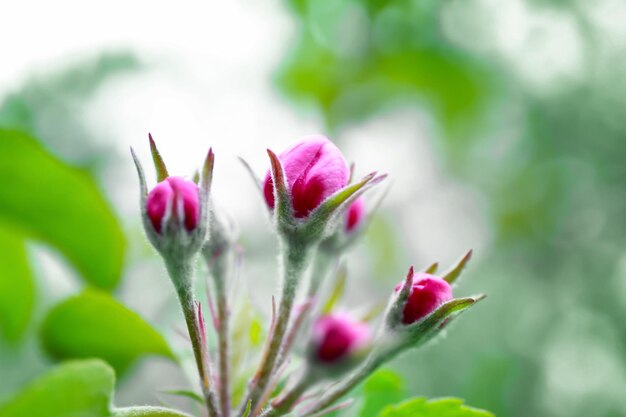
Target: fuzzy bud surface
168	195
315	169
428	292
336	336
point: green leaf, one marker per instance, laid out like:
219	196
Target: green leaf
93	324
60	205
147	412
445	407
187	394
74	389
382	389
17	290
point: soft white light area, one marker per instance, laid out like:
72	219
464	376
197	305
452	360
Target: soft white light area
542	45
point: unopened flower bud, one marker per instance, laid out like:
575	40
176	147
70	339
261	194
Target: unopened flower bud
428	292
336	337
178	195
315	169
355	215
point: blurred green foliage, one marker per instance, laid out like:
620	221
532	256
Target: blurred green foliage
47	200
420	407
76	389
36	203
549	163
94	325
355	58
17	292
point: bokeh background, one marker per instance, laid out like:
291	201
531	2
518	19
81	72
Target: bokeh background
502	125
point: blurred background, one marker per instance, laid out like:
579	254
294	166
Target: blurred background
501	125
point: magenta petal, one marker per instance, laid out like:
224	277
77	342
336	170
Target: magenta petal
315	169
428	292
336	336
355	214
167	192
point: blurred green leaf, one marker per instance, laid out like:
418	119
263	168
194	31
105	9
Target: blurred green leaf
60	205
355	58
17	290
77	389
147	412
446	407
382	389
93	324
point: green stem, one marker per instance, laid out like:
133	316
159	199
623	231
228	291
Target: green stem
373	362
220	274
322	263
295	259
181	273
284	404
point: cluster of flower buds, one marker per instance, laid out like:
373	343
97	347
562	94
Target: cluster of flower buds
318	213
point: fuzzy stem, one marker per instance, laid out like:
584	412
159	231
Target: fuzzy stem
322	263
295	257
373	362
220	272
181	273
285	403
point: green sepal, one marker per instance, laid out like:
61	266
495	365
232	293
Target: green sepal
159	165
418	333
453	274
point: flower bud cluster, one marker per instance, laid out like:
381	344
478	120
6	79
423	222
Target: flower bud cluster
318	212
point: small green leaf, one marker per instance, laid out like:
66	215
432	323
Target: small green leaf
77	388
147	412
63	206
445	407
246	413
382	389
186	393
93	324
338	289
17	290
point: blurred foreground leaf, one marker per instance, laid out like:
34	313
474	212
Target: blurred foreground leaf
81	388
76	389
93	324
382	389
147	412
60	205
446	407
17	290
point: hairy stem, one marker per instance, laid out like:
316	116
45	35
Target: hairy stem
181	274
295	256
220	272
373	362
322	264
284	404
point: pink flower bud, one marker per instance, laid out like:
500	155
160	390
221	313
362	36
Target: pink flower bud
166	194
428	292
315	169
337	336
355	214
